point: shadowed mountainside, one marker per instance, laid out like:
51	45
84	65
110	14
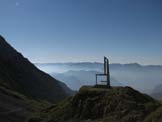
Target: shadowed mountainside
18	74
15	107
24	89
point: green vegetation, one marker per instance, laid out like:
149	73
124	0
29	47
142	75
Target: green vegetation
16	107
31	104
117	104
155	116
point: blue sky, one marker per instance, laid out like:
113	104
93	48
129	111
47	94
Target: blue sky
126	31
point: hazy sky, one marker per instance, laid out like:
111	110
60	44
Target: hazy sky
84	30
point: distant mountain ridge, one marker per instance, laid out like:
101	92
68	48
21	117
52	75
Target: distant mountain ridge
18	74
92	64
96	66
133	74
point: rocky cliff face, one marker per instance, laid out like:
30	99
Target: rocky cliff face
19	74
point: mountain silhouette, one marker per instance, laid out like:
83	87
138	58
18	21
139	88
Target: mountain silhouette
19	74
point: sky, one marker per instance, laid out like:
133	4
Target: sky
49	31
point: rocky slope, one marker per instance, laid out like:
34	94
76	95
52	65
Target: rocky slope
91	104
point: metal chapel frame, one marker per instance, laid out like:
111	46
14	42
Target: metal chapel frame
106	72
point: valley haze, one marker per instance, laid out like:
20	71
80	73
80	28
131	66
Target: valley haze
83	73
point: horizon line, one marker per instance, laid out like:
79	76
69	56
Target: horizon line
96	62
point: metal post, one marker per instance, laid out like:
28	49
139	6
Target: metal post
96	79
104	65
108	74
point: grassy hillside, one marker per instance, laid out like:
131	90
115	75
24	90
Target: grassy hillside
15	107
118	104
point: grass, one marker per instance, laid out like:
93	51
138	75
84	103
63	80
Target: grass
93	103
155	116
30	103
